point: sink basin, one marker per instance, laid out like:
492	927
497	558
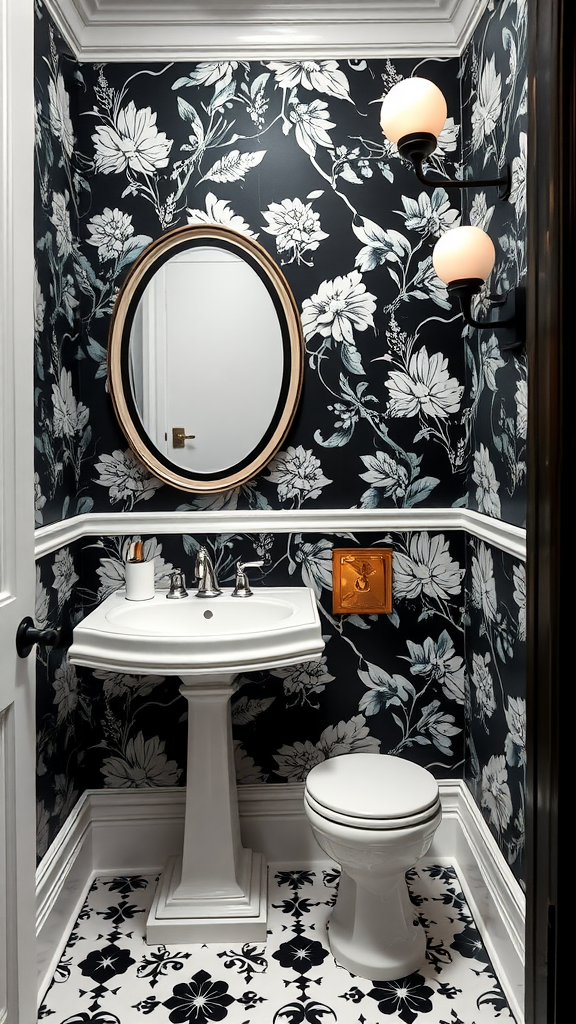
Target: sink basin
198	636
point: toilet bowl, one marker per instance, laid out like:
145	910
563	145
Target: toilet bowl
375	815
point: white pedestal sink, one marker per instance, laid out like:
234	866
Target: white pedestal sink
216	890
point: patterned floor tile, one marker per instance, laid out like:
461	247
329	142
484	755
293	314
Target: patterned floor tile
108	975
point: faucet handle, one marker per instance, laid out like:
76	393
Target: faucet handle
177	587
242	588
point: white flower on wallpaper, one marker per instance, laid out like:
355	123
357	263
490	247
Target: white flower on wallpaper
302	682
60	121
247	771
496	792
441	726
297	474
522	409
519	575
315	561
483	687
68	301
319	75
516	738
439	662
110	231
432	724
427	285
484	475
126	478
483	582
384	690
142	764
70	416
39	305
426	568
294	761
296	227
61	220
65	575
338	308
487	107
430	214
380	246
311	124
112	569
491	359
42	602
518	187
384	472
131	141
448	138
209	72
425	388
219	211
65	688
480	213
39	501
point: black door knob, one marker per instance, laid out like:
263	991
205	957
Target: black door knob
27	635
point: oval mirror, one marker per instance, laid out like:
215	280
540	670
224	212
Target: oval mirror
205	357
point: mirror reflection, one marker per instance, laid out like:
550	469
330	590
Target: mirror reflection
205	358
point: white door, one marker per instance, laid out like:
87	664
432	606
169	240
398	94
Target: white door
17	576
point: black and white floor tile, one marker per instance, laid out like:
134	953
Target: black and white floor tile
108	975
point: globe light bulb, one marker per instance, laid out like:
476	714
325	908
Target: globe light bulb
463	253
414	105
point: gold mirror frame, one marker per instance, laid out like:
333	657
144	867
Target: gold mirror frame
154	256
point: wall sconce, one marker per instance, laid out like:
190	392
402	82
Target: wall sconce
413	115
463	258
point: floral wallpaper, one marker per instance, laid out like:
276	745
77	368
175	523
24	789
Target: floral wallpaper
402	405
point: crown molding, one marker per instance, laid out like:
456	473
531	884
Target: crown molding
504	536
146	30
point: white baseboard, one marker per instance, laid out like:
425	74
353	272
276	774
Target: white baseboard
135	831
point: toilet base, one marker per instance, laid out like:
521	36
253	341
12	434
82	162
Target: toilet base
376	936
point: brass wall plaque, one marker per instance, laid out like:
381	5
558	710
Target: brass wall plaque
362	581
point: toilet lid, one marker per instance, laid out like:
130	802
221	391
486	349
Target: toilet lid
378	787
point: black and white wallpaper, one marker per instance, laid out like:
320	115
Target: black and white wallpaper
402	405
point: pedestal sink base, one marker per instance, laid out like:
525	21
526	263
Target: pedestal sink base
217	890
174	920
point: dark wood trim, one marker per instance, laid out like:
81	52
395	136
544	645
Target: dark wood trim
551	294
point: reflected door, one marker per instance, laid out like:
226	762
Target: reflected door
206	360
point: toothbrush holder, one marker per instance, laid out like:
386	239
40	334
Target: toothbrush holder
139	580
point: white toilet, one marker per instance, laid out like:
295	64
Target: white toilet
375	815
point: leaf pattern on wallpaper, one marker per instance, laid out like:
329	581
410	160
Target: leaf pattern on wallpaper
234	166
402	406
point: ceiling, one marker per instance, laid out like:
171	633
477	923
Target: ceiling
130	30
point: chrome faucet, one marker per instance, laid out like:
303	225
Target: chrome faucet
205	574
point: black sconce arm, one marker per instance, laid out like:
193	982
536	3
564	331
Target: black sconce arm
418	146
514	325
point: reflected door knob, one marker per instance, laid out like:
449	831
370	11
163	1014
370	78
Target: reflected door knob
27	635
179	437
